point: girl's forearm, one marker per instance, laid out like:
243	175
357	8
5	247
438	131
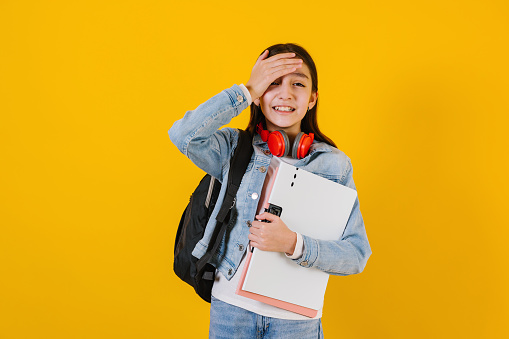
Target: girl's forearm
197	134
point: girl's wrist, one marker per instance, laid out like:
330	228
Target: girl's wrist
292	243
251	92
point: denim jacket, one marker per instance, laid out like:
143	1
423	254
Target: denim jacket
198	136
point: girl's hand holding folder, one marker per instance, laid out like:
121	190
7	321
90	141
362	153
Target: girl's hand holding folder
272	235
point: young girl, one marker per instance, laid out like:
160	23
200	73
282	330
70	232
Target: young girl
283	94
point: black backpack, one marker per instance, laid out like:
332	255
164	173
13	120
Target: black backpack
200	273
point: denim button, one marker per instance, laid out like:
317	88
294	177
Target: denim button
254	196
249	224
240	98
266	152
304	263
262	169
230	271
241	247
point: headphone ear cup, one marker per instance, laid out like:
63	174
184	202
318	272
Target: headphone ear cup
278	143
287	143
301	145
295	146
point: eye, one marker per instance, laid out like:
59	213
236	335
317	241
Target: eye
274	83
299	84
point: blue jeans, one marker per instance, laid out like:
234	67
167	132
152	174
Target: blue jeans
228	321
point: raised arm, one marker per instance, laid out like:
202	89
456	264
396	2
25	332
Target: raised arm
197	134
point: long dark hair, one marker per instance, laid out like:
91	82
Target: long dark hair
309	123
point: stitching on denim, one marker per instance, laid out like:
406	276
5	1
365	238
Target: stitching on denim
344	177
317	245
234	141
201	250
343	272
232	100
335	178
317	253
206	121
319	150
202	126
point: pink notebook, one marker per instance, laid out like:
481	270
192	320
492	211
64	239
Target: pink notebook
308	312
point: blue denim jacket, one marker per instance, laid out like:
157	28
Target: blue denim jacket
197	135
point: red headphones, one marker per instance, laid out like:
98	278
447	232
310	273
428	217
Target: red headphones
279	144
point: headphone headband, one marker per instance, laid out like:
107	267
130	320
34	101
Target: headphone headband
263	133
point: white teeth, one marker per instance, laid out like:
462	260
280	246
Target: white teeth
284	108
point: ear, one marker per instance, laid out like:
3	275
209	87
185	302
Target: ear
257	102
312	100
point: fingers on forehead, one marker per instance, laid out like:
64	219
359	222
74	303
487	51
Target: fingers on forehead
283	55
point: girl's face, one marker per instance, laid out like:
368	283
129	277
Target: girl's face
286	101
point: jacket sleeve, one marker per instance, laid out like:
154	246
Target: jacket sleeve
345	256
197	134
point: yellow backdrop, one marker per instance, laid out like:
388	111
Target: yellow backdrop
91	188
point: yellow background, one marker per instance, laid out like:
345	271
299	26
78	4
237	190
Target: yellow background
91	188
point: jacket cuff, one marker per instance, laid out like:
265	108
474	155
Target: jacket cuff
246	94
309	253
238	98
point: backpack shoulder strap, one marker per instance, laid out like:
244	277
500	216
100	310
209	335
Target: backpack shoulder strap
238	166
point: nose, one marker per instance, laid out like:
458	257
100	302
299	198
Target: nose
285	91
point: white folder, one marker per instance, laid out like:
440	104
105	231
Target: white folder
312	206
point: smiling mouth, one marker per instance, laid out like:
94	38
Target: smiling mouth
283	108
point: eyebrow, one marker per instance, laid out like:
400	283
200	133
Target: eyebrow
302	75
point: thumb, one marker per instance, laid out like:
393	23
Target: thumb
267	216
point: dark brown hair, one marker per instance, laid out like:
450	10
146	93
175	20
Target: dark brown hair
309	123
